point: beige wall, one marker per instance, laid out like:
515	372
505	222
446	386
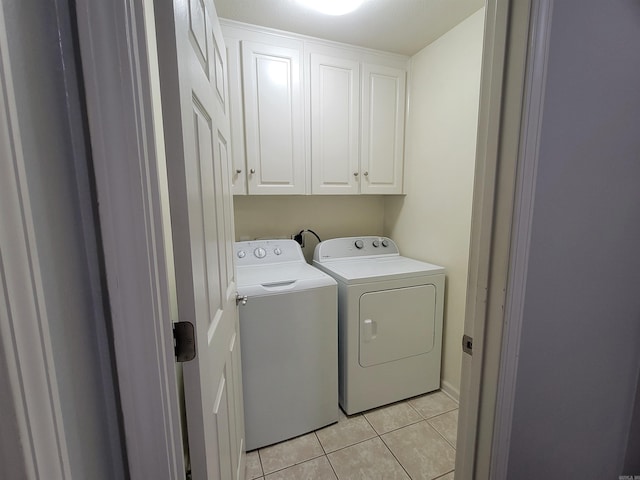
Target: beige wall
433	221
328	216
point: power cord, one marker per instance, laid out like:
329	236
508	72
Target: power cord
299	237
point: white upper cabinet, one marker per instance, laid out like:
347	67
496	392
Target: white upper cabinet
383	104
356	121
311	116
273	118
335	124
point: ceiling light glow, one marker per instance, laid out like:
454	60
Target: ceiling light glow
332	7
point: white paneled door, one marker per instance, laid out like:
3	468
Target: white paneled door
196	122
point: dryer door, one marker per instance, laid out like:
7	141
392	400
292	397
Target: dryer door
396	324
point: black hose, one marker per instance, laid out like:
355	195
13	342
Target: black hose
315	234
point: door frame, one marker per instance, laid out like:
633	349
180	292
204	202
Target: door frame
118	79
500	110
32	437
117	74
512	92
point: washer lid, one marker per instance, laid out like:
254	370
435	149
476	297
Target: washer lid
284	277
372	269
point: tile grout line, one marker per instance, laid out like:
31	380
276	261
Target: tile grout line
403	426
436	478
387	447
326	455
332	467
443	437
438	431
353	444
437	414
396	458
400	463
294	464
260	460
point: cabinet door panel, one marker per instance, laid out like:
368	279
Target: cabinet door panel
236	114
335	124
273	119
383	108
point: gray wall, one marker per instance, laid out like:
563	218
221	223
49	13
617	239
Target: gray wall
52	134
580	345
632	459
11	451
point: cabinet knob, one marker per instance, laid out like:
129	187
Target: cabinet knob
366	174
238	170
253	170
355	174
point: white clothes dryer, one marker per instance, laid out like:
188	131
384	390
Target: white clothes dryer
390	311
288	340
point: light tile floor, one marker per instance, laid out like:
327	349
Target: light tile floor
414	439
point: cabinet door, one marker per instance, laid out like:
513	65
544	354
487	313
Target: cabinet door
236	114
383	97
335	125
274	122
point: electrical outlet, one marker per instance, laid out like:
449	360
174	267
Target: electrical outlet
299	237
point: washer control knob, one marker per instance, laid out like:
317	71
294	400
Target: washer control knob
376	243
385	242
359	244
242	254
260	252
277	251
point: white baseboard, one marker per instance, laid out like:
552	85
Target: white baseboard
450	390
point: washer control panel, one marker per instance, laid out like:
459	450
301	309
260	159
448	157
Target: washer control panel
258	252
350	247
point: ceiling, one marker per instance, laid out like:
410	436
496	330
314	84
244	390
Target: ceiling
400	26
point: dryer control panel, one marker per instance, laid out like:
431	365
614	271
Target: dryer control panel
263	252
355	247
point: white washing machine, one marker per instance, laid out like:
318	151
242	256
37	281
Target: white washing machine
390	311
289	342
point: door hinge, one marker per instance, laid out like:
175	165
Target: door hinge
467	344
184	341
